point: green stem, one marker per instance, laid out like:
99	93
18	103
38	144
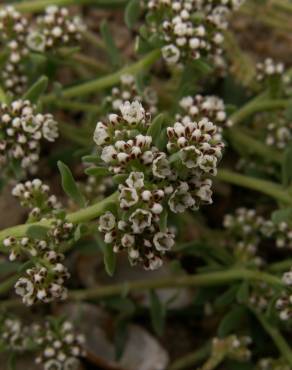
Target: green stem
90	62
192	358
263	186
107	81
277	338
77	106
83	215
206	279
7	284
214	361
255	106
252	145
280	266
38	5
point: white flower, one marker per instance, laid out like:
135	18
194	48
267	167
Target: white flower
132	112
100	134
128	240
108	153
163	241
181	199
36	41
50	129
287	278
52	365
71	364
155	263
208	163
161	167
140	219
127	197
190	156
135	180
171	54
107	222
24	287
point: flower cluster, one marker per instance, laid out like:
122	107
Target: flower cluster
273	364
189	29
244	229
128	91
154	181
233	346
21	130
279	134
60	346
44	279
269	68
284	302
198	107
14	336
14	30
56	28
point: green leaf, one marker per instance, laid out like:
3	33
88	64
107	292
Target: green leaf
8	267
155	129
36	90
97	171
91	159
231	321
37	232
282	215
109	259
69	185
163	220
119	179
243	292
287	167
227	298
3	97
111	48
11	365
79	232
132	13
22	268
157	311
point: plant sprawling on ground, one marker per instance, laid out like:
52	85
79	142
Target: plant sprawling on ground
169	149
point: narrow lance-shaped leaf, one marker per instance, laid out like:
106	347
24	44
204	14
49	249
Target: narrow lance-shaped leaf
282	215
157	311
287	167
109	257
37	89
132	13
155	129
69	185
112	50
97	171
37	232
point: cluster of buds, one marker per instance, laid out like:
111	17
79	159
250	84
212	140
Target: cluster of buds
232	347
198	107
279	134
190	29
154	181
244	229
128	91
36	196
269	68
284	302
273	364
280	232
60	346
97	188
44	279
14	336
14	31
21	130
260	296
56	28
